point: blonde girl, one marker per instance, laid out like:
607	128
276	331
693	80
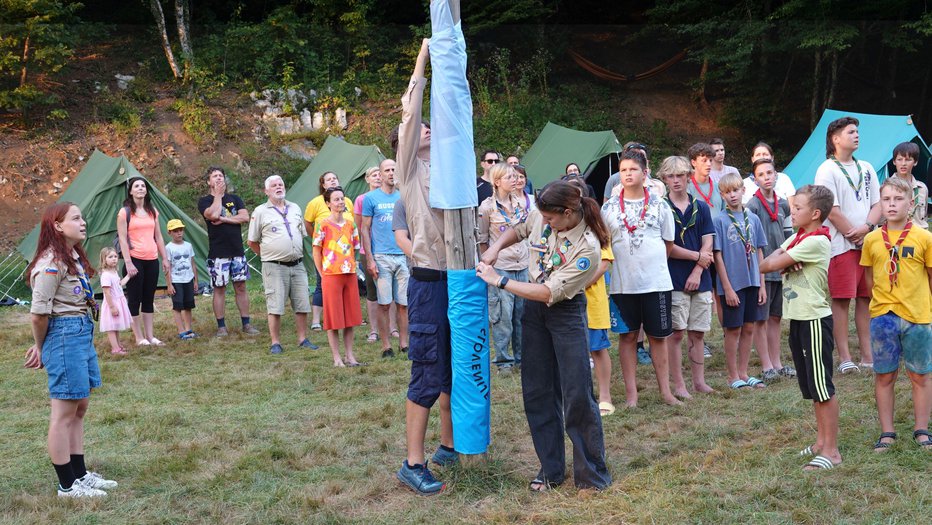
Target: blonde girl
114	312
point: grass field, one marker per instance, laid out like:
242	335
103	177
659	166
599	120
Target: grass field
222	432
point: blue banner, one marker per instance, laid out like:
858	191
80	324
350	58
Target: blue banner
452	159
469	337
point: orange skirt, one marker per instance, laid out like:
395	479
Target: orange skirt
341	301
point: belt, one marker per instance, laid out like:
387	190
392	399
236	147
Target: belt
287	263
428	274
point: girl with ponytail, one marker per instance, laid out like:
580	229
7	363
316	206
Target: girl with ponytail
565	233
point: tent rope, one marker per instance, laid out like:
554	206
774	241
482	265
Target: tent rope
606	74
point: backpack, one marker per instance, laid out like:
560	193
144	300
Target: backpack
116	238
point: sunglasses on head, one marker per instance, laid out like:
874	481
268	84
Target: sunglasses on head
636	146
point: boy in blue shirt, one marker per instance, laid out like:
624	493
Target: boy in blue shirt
739	240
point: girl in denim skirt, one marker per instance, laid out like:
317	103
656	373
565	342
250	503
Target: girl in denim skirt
63	311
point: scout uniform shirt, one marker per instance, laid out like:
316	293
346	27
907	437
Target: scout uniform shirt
55	292
413	176
280	235
494	221
909	296
559	260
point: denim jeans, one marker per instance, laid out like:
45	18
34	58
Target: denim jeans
505	309
557	390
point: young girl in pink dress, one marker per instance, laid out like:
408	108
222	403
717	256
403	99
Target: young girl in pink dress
114	312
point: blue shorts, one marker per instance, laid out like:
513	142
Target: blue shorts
598	339
893	336
429	345
747	311
69	357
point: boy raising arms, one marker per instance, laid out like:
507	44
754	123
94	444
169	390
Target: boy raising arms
774	215
739	240
905	157
804	260
689	264
898	268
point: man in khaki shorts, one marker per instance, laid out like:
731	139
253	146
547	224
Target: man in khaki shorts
689	264
276	235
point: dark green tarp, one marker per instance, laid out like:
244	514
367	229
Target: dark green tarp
99	190
348	161
558	146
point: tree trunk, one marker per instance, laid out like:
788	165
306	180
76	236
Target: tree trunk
816	77
460	238
890	84
830	98
183	21
23	74
156	7
702	75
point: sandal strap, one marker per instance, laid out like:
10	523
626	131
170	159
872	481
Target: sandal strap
821	462
891	435
921	432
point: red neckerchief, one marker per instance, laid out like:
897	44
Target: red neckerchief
776	204
706	198
802	234
624	218
893	265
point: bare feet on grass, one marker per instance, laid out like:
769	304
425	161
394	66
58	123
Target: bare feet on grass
682	394
703	388
673	401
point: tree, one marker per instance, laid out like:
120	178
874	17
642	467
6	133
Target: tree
183	25
36	39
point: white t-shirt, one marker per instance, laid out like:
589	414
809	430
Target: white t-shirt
716	175
783	188
854	206
640	257
180	256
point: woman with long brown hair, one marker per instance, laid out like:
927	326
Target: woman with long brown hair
566	234
63	311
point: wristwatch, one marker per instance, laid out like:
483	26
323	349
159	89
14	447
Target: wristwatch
870	225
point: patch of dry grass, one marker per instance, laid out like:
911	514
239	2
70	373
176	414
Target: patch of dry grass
214	431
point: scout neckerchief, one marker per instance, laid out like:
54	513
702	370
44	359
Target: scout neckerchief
772	213
518	217
802	234
856	189
92	306
692	217
546	264
624	217
893	265
746	237
284	215
706	198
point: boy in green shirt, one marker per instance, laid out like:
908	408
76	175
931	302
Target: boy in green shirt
804	259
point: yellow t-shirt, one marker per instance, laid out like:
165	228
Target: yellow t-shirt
317	210
910	298
597	297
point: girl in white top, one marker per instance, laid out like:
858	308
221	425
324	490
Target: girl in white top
783	187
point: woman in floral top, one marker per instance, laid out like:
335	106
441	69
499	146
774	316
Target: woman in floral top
336	241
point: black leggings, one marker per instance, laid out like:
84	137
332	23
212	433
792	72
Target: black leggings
140	290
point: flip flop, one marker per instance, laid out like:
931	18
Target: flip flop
606	408
143	342
754	382
373	337
156	342
316	327
821	463
396	334
808	451
847	367
739	384
543	485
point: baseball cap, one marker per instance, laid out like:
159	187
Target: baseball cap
175	224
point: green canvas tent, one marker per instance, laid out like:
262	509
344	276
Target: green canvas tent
595	152
878	134
348	161
99	190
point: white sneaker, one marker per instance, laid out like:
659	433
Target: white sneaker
80	490
96	481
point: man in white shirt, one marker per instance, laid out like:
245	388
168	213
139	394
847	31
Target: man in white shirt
855	213
719	169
